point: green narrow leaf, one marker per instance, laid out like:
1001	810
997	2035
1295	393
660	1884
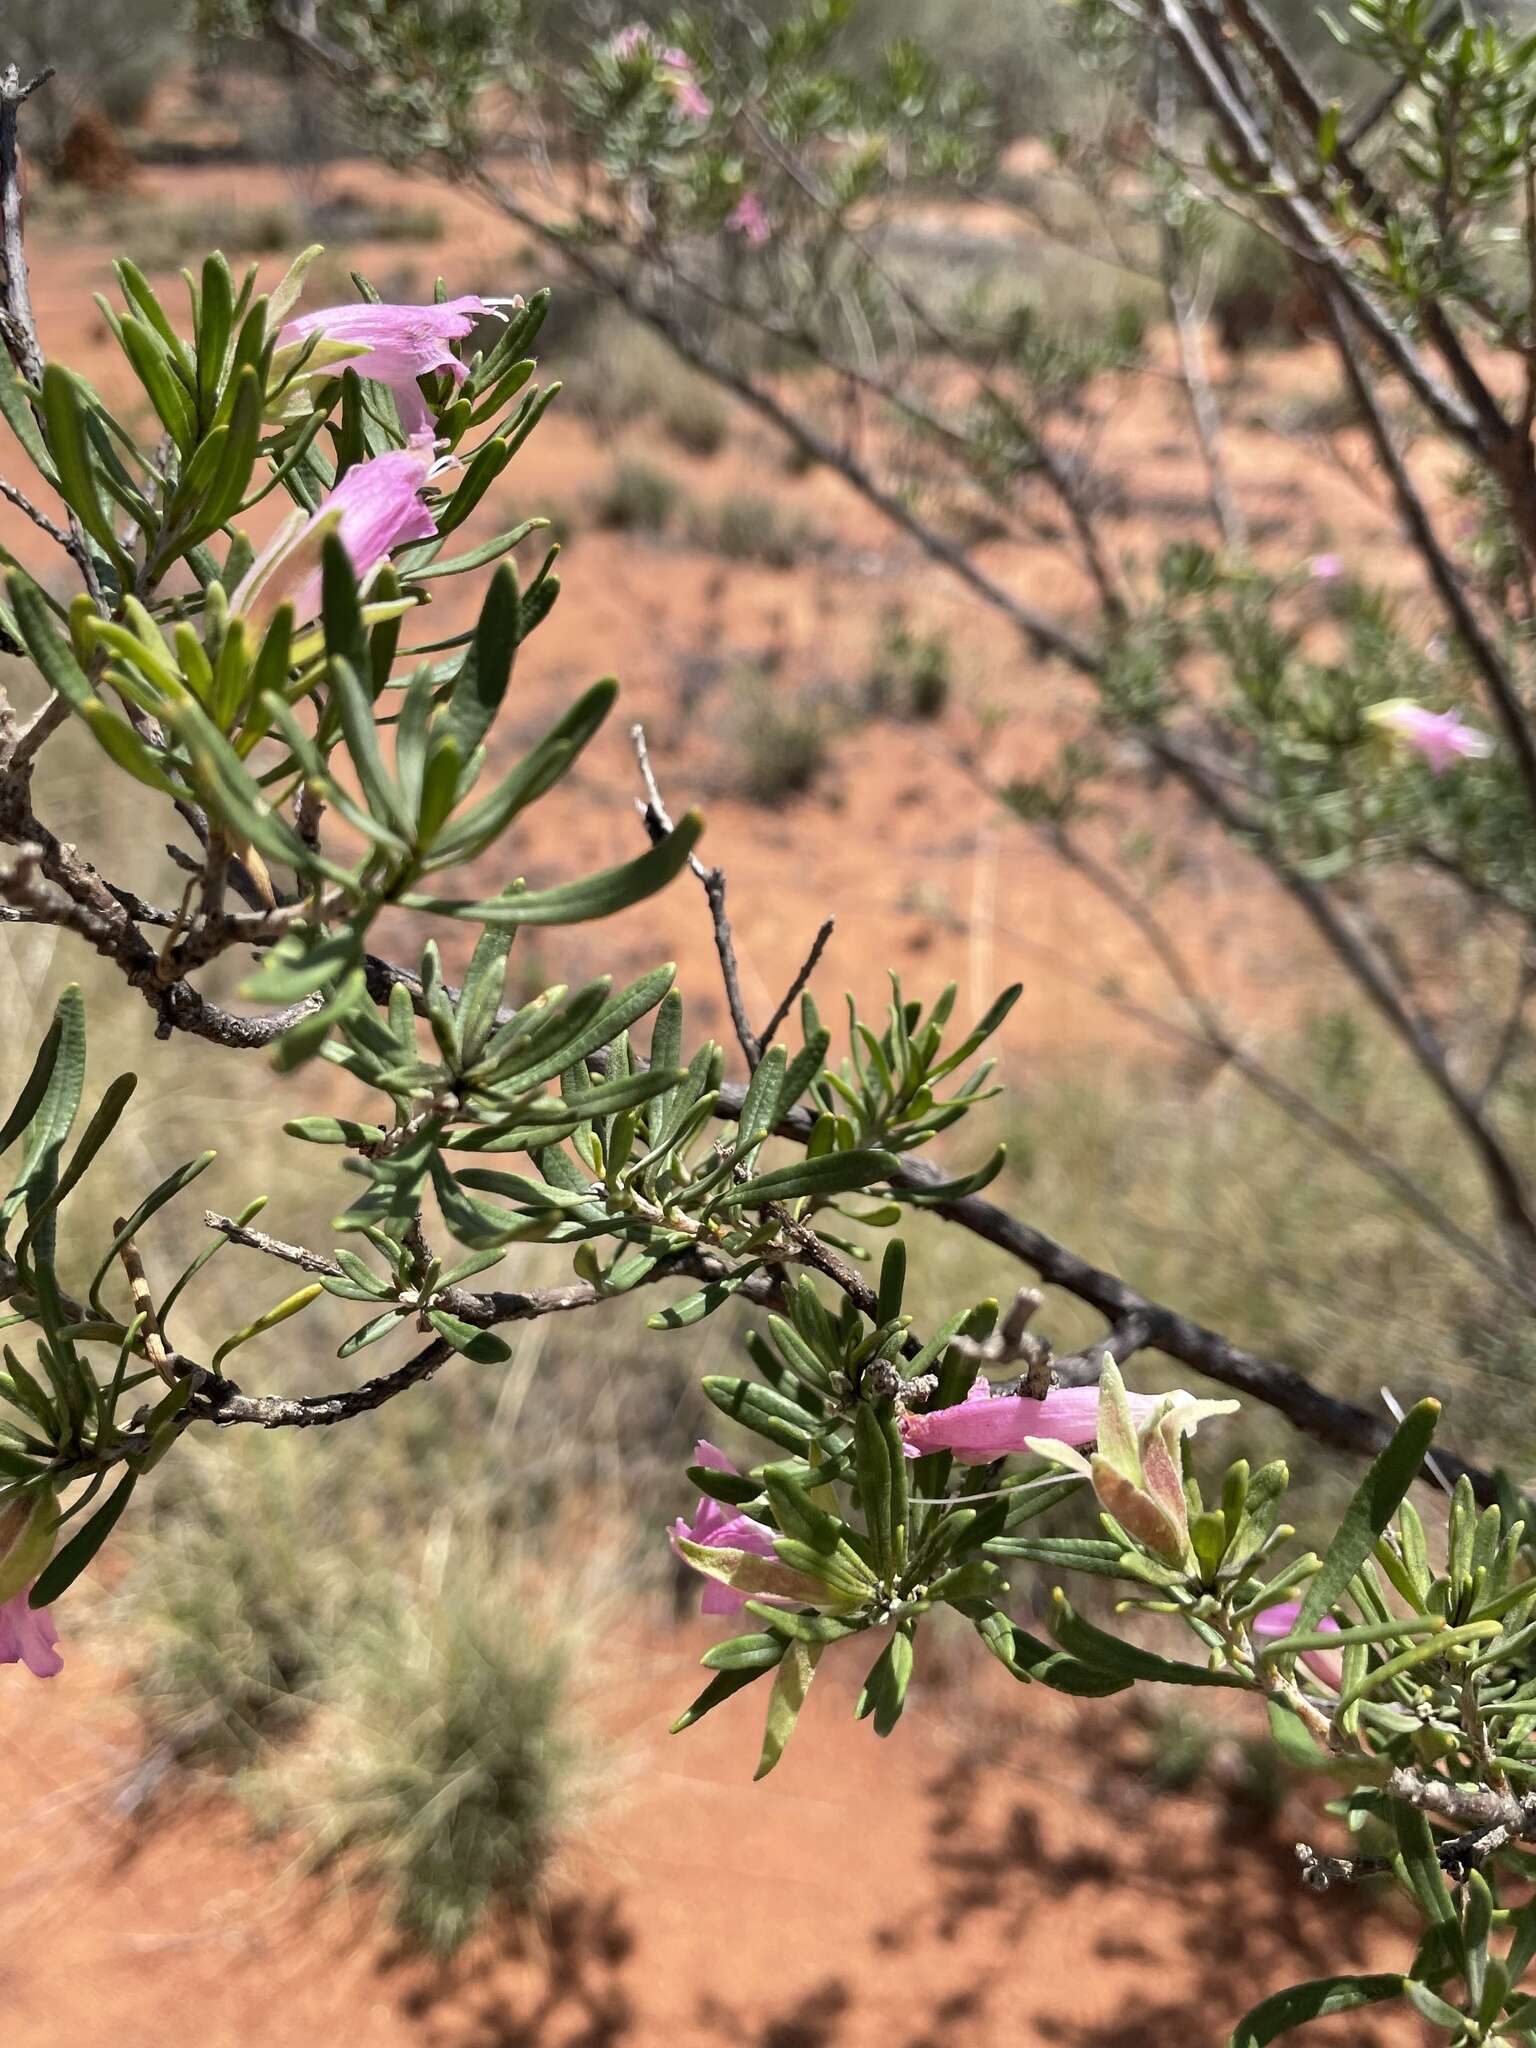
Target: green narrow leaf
884	1691
83	1545
114	1101
791	1683
25	1106
215	318
55	1114
835	1174
760	1105
292	1305
1091	1645
64	403
385	801
371	1332
1312	2001
966	1184
723	1686
1421	1867
16	407
1369	1513
486	669
1028	1658
744	1653
482	1346
482	990
875	1491
152	366
533	777
693	1308
1432	2007
770	1414
593	896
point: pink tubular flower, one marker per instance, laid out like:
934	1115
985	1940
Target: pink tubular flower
377	506
1280	1620
28	1636
690	96
395	345
747	218
716	1527
1442	737
985	1425
1326	568
677	69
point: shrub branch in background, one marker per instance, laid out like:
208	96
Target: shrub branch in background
323	755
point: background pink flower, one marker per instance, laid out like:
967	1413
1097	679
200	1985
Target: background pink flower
1442	737
748	219
689	94
1280	1620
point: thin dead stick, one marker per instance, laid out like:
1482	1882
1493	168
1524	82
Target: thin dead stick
658	823
39	518
1187	326
144	1305
818	947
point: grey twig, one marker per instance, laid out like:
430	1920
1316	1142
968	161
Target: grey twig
1480	1808
20	323
1512	1033
1187	326
39	519
1121	1341
485	1309
658	824
1318	1414
808	968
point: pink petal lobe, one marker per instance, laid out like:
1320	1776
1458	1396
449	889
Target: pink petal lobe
986	1426
1280	1620
28	1636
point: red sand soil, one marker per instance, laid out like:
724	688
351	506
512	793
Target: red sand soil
997	1872
924	875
